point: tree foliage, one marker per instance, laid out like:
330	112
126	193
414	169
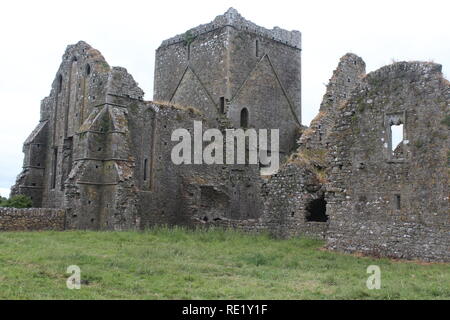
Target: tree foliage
18	201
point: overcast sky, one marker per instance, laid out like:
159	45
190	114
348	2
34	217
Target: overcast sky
34	35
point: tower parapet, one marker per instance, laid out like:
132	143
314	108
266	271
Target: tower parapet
232	18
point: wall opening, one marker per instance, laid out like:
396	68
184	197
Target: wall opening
398	202
54	167
213	203
396	139
316	210
88	69
222	105
59	84
244	118
396	136
257	48
145	169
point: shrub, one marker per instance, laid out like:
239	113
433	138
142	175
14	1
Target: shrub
446	121
3	201
18	201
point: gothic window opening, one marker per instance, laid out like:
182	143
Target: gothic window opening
88	69
222	105
244	118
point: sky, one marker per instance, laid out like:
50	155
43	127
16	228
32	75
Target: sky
34	36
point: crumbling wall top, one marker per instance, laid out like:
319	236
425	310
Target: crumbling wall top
405	69
234	19
121	83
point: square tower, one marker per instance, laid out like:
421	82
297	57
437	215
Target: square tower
235	68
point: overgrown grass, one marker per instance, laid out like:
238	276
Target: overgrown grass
179	264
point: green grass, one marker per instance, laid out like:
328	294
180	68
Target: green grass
179	264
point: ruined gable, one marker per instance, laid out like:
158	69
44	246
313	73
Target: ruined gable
347	76
382	201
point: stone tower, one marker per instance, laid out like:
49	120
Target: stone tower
235	69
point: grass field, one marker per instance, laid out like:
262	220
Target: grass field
215	264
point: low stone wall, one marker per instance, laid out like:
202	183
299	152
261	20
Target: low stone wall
392	239
310	229
287	197
32	219
248	226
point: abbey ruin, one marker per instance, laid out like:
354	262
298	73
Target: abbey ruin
103	154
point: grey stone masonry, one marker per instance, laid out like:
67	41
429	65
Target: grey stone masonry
233	19
384	199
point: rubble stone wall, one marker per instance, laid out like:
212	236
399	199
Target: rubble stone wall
33	219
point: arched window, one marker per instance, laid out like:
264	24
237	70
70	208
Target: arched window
244	118
87	70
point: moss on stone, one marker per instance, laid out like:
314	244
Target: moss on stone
188	38
446	121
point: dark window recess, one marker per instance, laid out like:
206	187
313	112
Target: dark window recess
145	169
54	166
398	202
88	69
222	105
257	48
316	210
60	80
244	118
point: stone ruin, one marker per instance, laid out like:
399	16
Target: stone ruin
102	153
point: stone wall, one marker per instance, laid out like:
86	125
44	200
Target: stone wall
33	219
349	73
384	199
234	19
235	67
288	196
